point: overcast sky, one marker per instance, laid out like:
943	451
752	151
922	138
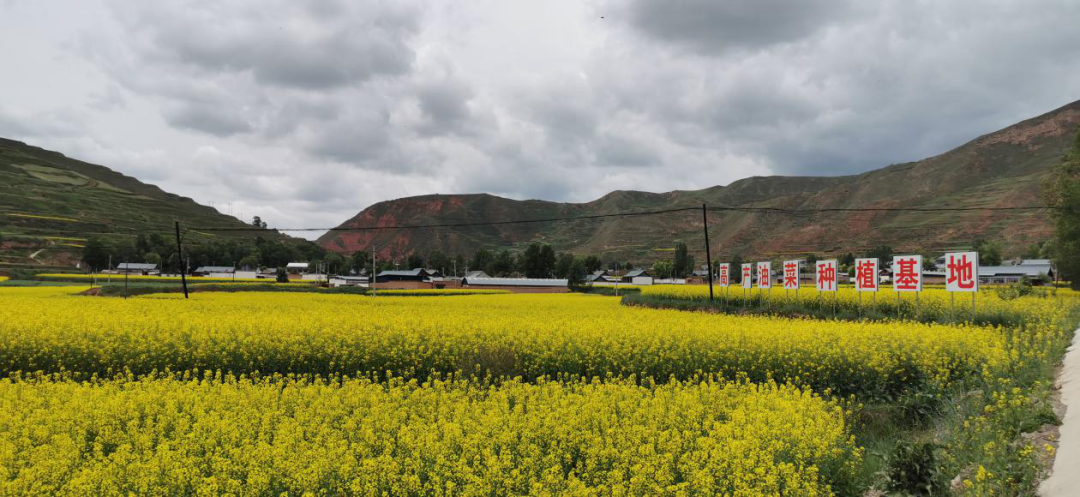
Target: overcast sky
305	112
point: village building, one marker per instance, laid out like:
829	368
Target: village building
137	268
413	279
297	267
638	277
518	285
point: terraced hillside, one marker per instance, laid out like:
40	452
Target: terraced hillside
51	204
1001	169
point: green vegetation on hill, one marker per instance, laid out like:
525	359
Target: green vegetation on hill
51	206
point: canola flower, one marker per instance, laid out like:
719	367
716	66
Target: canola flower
442	291
3	279
178	434
531	336
994	305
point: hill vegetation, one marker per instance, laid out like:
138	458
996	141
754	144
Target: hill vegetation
52	206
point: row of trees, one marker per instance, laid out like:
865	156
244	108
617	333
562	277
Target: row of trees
157	249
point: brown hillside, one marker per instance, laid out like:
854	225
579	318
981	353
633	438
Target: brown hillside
1004	168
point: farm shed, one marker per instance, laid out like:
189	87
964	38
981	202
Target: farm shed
638	277
518	285
137	268
215	271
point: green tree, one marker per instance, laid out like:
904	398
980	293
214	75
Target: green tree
459	264
482	261
152	258
96	254
883	253
440	261
1063	195
683	263
501	265
736	269
335	263
538	261
564	264
989	252
414	261
282	275
576	276
249	262
592	264
663	269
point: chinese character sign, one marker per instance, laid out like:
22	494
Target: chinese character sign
764	275
724	274
748	275
907	273
826	275
962	272
866	275
791	275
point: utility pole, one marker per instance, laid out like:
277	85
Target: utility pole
371	277
110	268
708	253
126	281
180	260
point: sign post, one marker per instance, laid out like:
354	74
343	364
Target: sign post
764	279
962	275
866	278
907	277
723	277
747	280
791	278
826	279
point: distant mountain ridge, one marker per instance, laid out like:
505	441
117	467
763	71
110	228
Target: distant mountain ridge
1000	169
51	204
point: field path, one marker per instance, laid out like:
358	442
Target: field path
1064	481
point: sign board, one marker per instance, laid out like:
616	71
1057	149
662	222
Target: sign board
764	275
791	275
723	274
866	275
907	273
748	275
826	275
962	271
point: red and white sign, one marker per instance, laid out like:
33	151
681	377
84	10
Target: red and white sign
962	272
764	275
723	274
791	275
907	273
826	275
866	275
748	275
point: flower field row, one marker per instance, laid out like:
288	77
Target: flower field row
172	435
991	305
531	336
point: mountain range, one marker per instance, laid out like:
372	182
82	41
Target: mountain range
1006	168
50	205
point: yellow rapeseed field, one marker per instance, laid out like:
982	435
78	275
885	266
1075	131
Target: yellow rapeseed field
531	336
173	435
